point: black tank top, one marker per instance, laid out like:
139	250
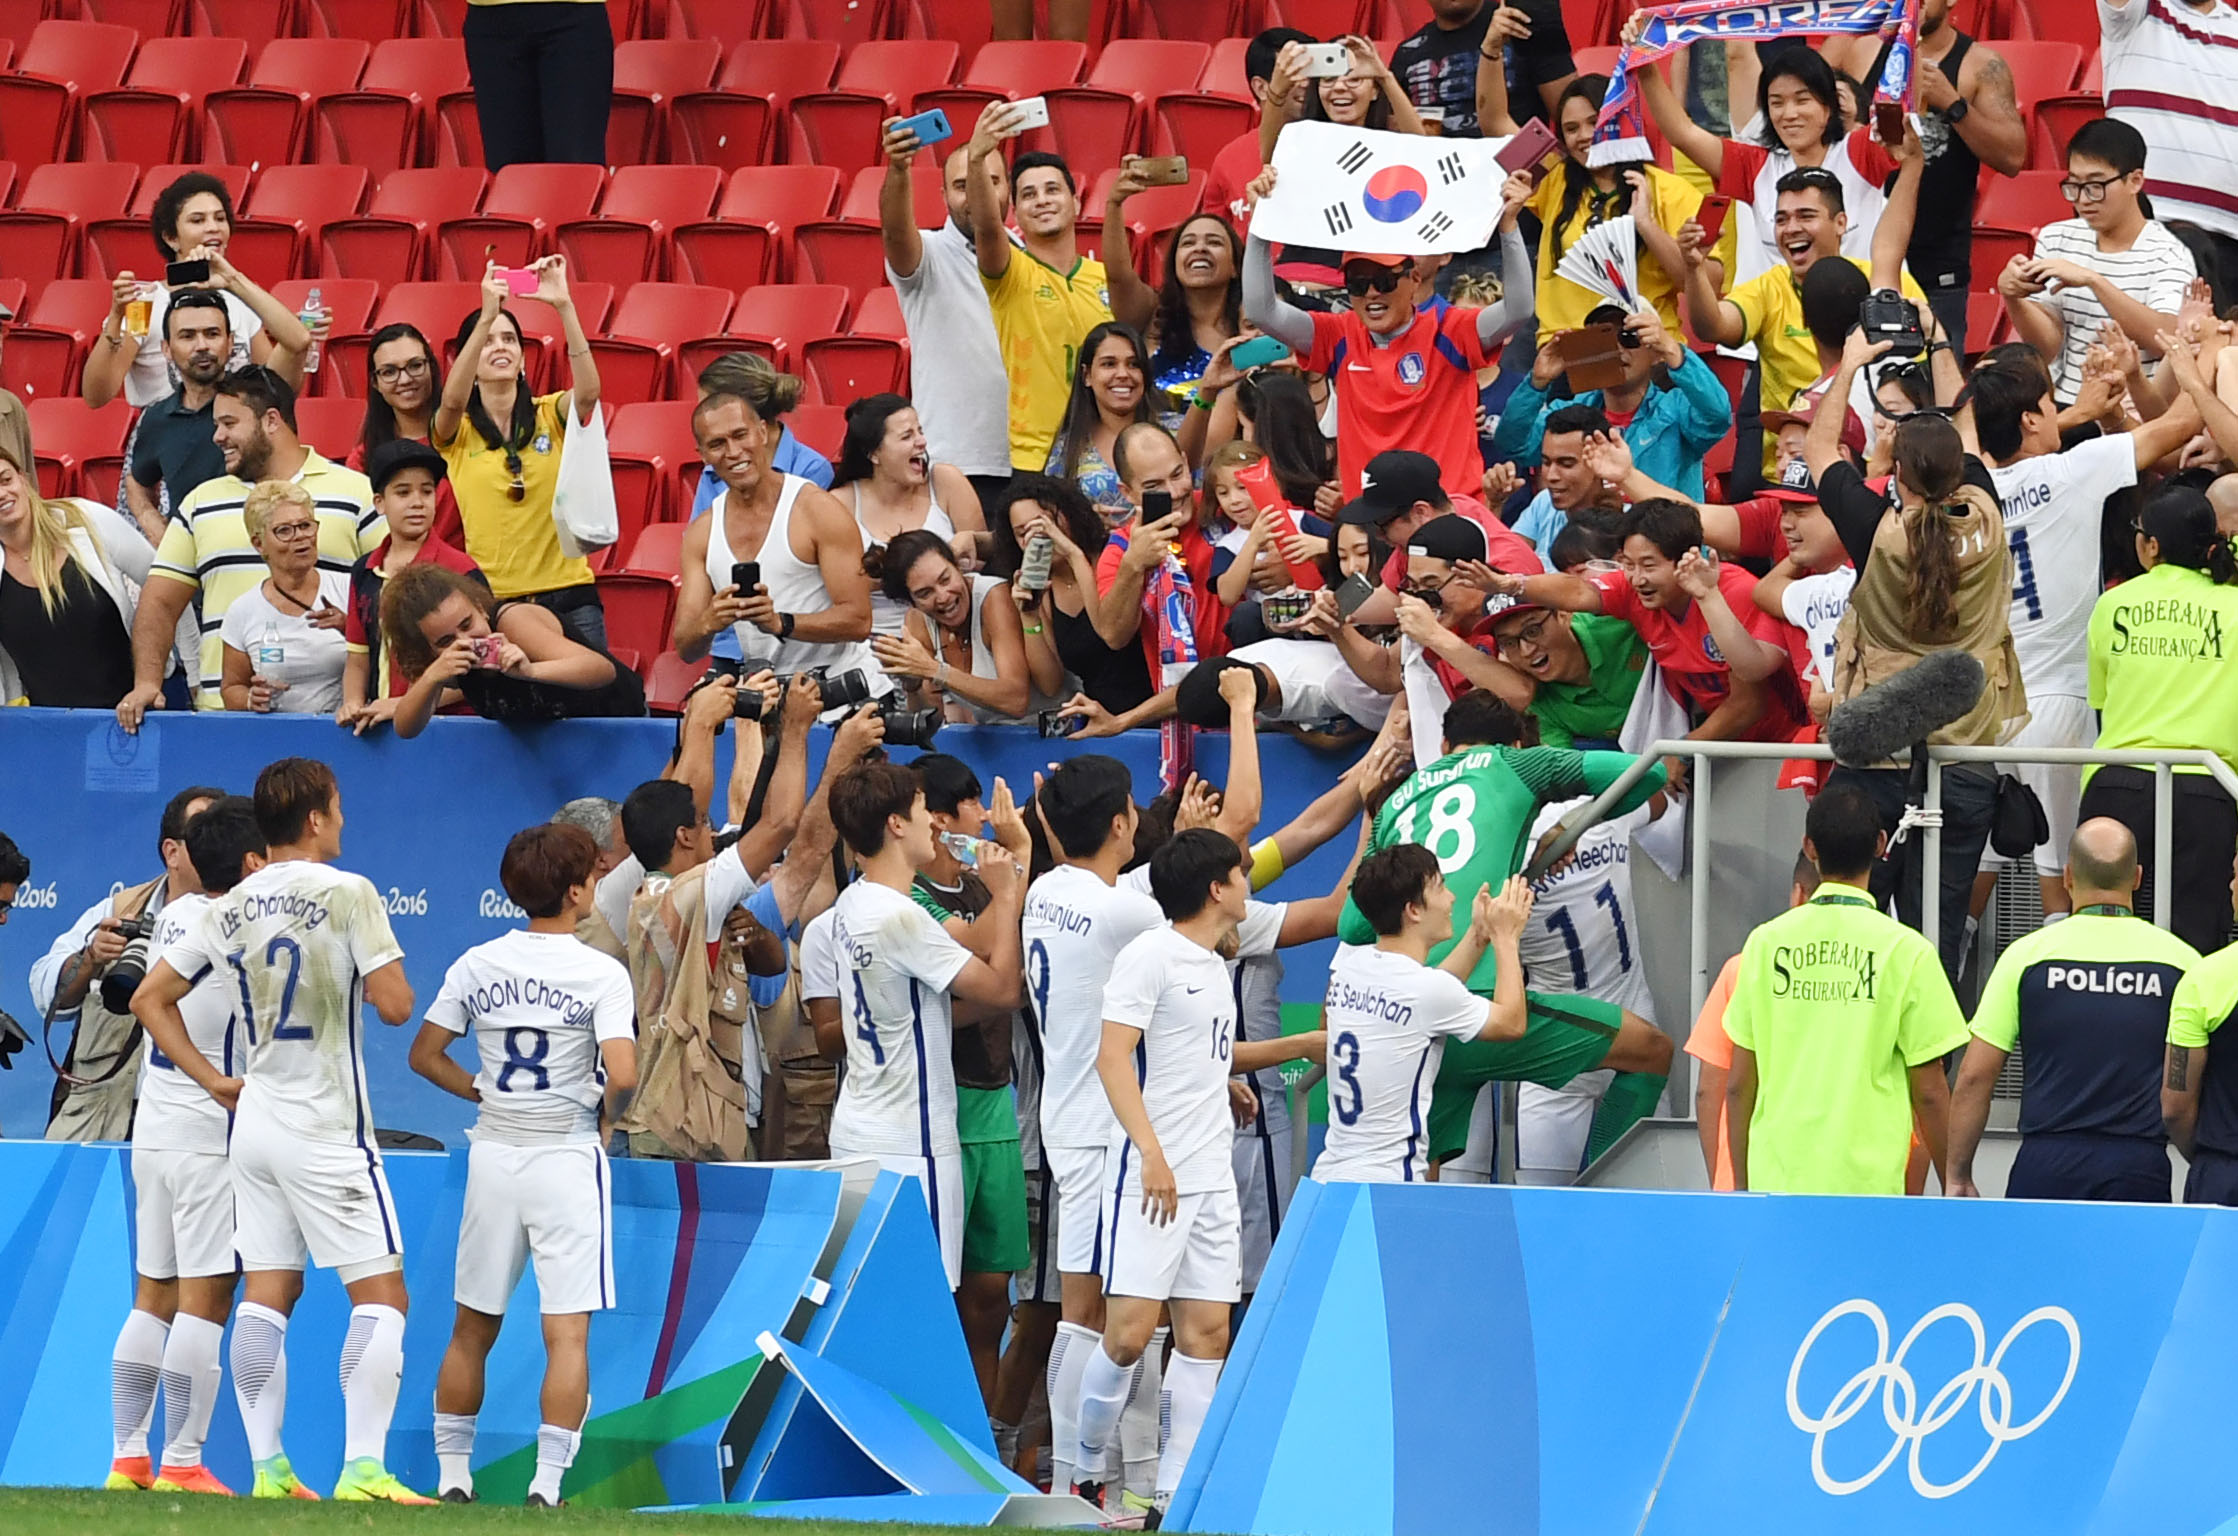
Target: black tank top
1941	254
502	696
1119	679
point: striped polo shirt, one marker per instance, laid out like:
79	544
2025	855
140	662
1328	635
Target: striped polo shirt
207	546
2172	74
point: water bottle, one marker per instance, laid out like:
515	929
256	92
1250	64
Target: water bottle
965	849
1033	570
311	311
271	655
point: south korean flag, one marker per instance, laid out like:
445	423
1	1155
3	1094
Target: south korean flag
1388	194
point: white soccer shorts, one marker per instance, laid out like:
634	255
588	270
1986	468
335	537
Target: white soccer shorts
552	1204
182	1213
293	1200
1081	1199
941	1178
1553	1126
1197	1256
2055	720
1263	1187
1038	1281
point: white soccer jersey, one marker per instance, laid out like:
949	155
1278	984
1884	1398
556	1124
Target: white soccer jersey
819	957
1388	1019
540	1006
175	1115
2053	505
1815	605
896	964
1179	995
1075	925
1584	934
298	939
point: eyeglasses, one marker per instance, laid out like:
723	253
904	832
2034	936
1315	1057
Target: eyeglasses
290	530
389	373
2080	192
1381	280
1532	634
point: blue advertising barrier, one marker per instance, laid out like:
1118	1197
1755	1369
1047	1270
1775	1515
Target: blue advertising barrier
425	821
1421	1360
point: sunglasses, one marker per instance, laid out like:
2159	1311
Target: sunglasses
1381	280
518	490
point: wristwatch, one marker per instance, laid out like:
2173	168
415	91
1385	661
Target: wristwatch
784	626
1955	113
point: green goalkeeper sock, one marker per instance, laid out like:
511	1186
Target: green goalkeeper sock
1631	1097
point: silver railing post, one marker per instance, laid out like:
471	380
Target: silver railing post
2164	842
1698	888
1931	860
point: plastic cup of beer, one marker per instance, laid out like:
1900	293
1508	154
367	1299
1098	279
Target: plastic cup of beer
1433	120
139	310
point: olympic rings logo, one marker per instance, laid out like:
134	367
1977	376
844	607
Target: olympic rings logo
1900	1406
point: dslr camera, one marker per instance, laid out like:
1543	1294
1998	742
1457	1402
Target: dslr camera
847	690
1887	315
129	969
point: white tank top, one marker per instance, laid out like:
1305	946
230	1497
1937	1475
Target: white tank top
885	613
1860	198
796	587
982	656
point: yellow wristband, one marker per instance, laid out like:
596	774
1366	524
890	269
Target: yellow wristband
1266	863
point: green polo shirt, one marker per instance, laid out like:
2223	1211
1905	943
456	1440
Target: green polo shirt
1596	709
1838	1001
2164	664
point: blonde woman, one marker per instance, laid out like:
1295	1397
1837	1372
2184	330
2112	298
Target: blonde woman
284	652
65	605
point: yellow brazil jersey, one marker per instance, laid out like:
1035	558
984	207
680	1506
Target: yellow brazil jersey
514	542
1562	304
1041	317
206	545
1771	306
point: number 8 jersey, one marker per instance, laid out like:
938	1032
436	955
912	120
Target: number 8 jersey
540	1005
296	940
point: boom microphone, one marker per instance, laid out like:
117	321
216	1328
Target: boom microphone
1893	716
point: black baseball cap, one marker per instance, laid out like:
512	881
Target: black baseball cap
384	463
1449	537
1795	483
1390	483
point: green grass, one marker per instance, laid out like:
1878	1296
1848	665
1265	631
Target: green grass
75	1512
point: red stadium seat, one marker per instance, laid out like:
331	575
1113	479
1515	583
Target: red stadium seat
2061	20
1205	20
330	423
782	318
149	18
260	22
821	427
851	255
396	233
1225	73
1147	68
629	240
843	369
928	201
39	238
671	680
636	356
967	23
1008	70
651	446
435	308
46	348
374	21
2094	75
387	123
639	611
63	62
2056	120
123	244
351	301
268	121
1331	18
522	207
14	294
879	314
7	183
1152	215
1201	126
747	242
1093	129
733	125
846	22
300	201
1597	60
728	23
658	551
2042	68
1987	324
840	127
82	448
155	115
648	76
543	342
41	365
2028	201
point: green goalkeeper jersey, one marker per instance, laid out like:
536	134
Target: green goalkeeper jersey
1474	809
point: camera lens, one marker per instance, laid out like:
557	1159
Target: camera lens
845	690
910	727
125	975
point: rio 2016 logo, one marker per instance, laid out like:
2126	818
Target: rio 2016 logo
1911	1421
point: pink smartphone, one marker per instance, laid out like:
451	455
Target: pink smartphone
489	650
1530	151
520	282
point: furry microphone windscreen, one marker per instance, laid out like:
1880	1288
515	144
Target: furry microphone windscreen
1892	716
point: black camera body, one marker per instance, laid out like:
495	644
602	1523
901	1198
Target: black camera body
1887	315
129	969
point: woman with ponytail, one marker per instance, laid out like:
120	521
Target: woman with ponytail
65	610
1933	574
2164	676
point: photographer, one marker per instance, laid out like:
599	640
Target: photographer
87	979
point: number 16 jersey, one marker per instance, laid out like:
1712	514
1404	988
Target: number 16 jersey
297	940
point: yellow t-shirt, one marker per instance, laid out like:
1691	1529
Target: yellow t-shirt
1771	306
206	545
1563	305
514	542
1041	317
2162	673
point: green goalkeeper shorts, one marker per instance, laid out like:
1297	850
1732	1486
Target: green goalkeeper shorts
1563	1035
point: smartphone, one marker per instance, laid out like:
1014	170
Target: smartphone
489	650
183	274
1164	170
1888	121
520	282
1258	352
1711	217
1327	61
746	575
1353	591
930	127
1054	724
1529	151
1033	112
1156	505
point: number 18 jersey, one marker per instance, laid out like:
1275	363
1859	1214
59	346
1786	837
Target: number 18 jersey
297	939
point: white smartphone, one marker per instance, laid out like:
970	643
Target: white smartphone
1033	112
1327	61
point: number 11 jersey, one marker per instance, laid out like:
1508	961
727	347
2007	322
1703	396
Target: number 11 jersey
297	940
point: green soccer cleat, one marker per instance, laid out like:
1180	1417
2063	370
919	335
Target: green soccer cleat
129	1474
275	1479
367	1481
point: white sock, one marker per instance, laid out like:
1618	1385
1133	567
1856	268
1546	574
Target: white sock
1103	1393
260	1376
454	1452
1138	1423
1189	1386
135	1365
372	1369
191	1373
1006	1440
555	1453
1068	1357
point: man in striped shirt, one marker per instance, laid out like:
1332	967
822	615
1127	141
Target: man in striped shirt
206	549
2172	73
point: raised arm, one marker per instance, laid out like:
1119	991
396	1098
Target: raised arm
1822	447
1750	658
1716	319
582	365
1892	236
897	202
458	384
1686	136
988	236
1243	795
1263	306
1133	301
765	842
1518	296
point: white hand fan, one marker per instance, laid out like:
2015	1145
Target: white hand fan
1605	260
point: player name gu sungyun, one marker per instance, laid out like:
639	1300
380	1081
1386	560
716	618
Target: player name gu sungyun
2121	980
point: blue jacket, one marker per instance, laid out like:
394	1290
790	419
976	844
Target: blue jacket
1675	428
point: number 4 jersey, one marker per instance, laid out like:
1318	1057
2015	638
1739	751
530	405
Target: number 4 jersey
1473	809
540	1006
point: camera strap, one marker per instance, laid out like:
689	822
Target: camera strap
129	1053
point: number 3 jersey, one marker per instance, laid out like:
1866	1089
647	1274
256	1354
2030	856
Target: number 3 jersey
1473	809
1583	936
1388	1019
298	939
540	1006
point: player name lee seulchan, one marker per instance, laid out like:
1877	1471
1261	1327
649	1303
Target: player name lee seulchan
1377	1003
